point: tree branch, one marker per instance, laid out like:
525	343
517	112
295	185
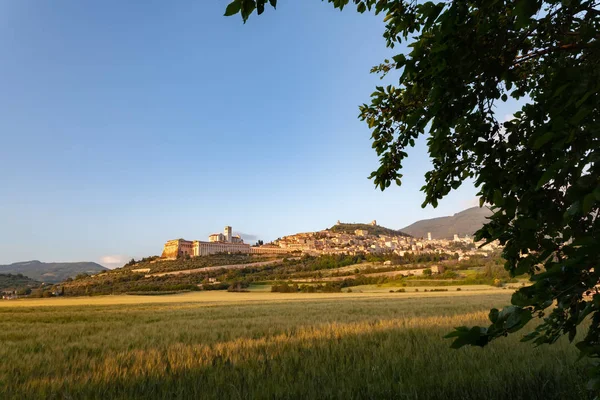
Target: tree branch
539	53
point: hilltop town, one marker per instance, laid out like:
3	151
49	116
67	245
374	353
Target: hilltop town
342	238
225	260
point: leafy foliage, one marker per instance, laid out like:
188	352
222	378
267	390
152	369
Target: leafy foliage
539	171
326	288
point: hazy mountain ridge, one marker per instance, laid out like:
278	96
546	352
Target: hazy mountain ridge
466	222
51	272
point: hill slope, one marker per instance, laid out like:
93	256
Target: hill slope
466	222
374	230
15	282
51	272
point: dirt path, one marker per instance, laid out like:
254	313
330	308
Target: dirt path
206	269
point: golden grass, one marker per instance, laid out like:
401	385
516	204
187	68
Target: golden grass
271	345
212	297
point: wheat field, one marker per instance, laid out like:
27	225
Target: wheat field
272	346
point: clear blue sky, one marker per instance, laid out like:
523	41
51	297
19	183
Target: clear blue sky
127	123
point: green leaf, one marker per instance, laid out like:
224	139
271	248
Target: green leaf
549	174
458	331
476	336
579	116
233	8
561	89
585	312
573	209
522	297
542	140
494	315
400	60
529	224
530	336
584	98
498	198
584	241
524	9
588	203
593	384
439	48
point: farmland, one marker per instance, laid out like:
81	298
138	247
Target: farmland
220	272
259	344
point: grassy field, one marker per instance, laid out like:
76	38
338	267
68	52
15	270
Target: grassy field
271	346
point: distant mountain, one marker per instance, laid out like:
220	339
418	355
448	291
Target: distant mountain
51	272
466	222
15	282
374	230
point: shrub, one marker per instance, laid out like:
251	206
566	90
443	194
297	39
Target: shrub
450	275
237	287
216	286
285	288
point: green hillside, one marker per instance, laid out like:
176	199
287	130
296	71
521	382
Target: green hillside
155	265
15	282
374	230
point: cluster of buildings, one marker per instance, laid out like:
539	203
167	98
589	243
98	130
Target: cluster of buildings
360	241
8	295
217	243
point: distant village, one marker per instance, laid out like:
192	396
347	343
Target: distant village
343	238
331	241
